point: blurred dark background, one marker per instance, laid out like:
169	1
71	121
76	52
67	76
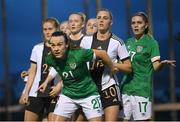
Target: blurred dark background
20	30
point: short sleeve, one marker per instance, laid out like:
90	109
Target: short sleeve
155	53
122	51
33	57
52	72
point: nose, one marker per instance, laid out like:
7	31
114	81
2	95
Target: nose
56	48
72	24
135	25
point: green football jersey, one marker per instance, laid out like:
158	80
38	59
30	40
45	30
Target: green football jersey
143	52
77	81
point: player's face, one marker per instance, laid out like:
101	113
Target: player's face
75	23
104	21
58	46
48	29
65	28
138	25
91	26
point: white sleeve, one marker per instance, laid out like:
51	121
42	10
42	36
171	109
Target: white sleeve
52	72
33	57
122	51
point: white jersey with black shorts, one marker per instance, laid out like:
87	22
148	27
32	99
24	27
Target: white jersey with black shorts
38	101
108	86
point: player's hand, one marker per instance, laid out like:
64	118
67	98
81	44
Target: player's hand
21	101
113	70
42	87
115	67
169	62
55	90
24	74
24	99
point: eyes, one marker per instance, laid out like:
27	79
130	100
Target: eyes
50	28
91	24
75	20
54	45
103	17
136	22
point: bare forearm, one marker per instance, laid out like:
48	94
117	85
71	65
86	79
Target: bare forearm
158	65
124	67
49	79
30	81
105	58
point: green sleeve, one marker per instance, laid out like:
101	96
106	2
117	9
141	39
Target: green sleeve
155	49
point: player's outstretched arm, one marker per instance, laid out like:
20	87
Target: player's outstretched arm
158	65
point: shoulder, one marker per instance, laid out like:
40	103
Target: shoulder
87	38
49	59
80	52
151	39
116	39
86	41
39	45
129	40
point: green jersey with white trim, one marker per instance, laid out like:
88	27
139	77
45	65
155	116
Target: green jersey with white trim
77	81
143	53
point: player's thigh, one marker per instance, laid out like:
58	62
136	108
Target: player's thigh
31	116
142	108
65	107
127	110
91	106
35	105
50	106
111	96
58	118
111	102
114	110
79	115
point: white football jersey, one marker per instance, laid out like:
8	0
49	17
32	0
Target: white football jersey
116	50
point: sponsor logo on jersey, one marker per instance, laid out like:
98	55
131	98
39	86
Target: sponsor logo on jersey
139	48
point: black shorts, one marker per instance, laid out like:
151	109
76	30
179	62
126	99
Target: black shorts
111	96
41	105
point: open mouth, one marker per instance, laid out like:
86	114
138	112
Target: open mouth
136	30
101	25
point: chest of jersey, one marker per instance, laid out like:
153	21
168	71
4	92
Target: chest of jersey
139	51
71	70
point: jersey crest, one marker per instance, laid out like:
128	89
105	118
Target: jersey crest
139	48
72	65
